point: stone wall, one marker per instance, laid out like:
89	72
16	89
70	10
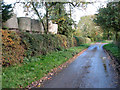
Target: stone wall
28	24
36	26
11	23
24	23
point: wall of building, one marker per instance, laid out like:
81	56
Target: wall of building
28	24
11	23
24	23
36	26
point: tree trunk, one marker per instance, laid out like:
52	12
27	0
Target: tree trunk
116	36
46	17
59	15
108	36
70	9
59	9
38	15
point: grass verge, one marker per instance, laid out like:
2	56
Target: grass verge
113	49
104	41
36	67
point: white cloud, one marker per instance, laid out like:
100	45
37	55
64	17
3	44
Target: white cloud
90	10
76	14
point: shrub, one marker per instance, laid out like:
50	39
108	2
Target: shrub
63	40
87	40
70	42
118	41
16	46
12	50
41	44
75	41
81	40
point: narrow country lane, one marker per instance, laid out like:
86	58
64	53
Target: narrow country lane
92	69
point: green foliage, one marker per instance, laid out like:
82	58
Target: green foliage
35	68
65	28
113	49
41	44
17	46
81	40
87	28
118	40
109	17
58	15
77	40
6	12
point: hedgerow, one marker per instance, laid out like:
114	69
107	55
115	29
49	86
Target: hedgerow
41	44
81	40
17	46
12	50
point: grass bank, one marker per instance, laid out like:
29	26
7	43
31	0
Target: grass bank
104	41
113	49
36	67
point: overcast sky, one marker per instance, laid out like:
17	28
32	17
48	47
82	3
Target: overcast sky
90	10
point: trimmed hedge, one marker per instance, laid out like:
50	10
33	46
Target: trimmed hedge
87	40
41	44
16	46
81	40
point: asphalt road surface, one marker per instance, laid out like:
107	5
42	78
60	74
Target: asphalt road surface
92	69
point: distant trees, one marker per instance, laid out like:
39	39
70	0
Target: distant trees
109	18
87	28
